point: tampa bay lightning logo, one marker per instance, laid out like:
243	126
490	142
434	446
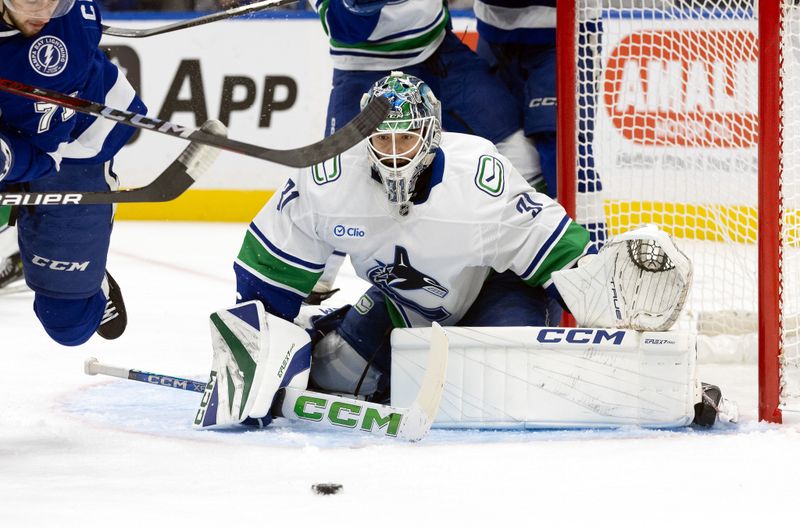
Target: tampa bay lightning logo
400	275
6	159
48	56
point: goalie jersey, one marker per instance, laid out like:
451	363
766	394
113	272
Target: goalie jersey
64	56
479	216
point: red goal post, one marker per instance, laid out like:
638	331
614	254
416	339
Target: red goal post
671	112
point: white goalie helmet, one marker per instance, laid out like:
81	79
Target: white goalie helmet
405	143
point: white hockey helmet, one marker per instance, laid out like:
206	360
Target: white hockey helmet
412	131
44	9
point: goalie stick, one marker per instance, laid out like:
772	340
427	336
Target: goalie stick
411	423
194	22
171	183
346	137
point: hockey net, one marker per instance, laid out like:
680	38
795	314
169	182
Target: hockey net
659	123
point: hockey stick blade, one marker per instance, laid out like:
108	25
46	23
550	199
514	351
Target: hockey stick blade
194	22
171	183
410	424
346	137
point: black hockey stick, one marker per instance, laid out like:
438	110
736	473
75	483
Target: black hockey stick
199	21
346	137
171	183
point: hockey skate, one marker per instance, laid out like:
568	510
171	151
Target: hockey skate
714	407
115	319
10	270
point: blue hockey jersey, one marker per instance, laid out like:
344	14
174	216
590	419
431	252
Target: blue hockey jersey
64	56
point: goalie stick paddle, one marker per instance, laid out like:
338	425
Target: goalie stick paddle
346	137
411	423
194	22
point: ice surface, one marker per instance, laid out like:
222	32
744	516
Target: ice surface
89	451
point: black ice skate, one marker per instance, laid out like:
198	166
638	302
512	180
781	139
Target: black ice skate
115	319
714	406
10	270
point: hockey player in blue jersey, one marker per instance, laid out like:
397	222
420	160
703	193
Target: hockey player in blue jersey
518	39
370	38
55	44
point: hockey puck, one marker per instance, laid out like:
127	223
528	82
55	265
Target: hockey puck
326	488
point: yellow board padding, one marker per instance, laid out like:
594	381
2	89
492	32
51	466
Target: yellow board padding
718	223
201	205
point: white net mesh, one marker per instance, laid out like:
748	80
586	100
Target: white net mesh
667	132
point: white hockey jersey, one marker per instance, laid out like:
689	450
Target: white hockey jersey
399	34
480	215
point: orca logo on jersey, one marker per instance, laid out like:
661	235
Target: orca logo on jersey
400	275
48	56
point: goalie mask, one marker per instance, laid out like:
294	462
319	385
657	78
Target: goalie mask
405	143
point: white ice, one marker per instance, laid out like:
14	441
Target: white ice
89	451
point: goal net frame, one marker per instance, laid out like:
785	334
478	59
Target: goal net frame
770	207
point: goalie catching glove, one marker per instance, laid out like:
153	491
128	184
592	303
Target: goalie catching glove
255	354
639	280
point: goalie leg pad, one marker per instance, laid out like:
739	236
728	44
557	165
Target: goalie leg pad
255	354
538	377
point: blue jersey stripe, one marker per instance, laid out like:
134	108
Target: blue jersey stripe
545	249
377	55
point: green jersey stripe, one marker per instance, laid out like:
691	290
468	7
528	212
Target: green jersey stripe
404	44
5	214
256	256
571	246
394	314
323	12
